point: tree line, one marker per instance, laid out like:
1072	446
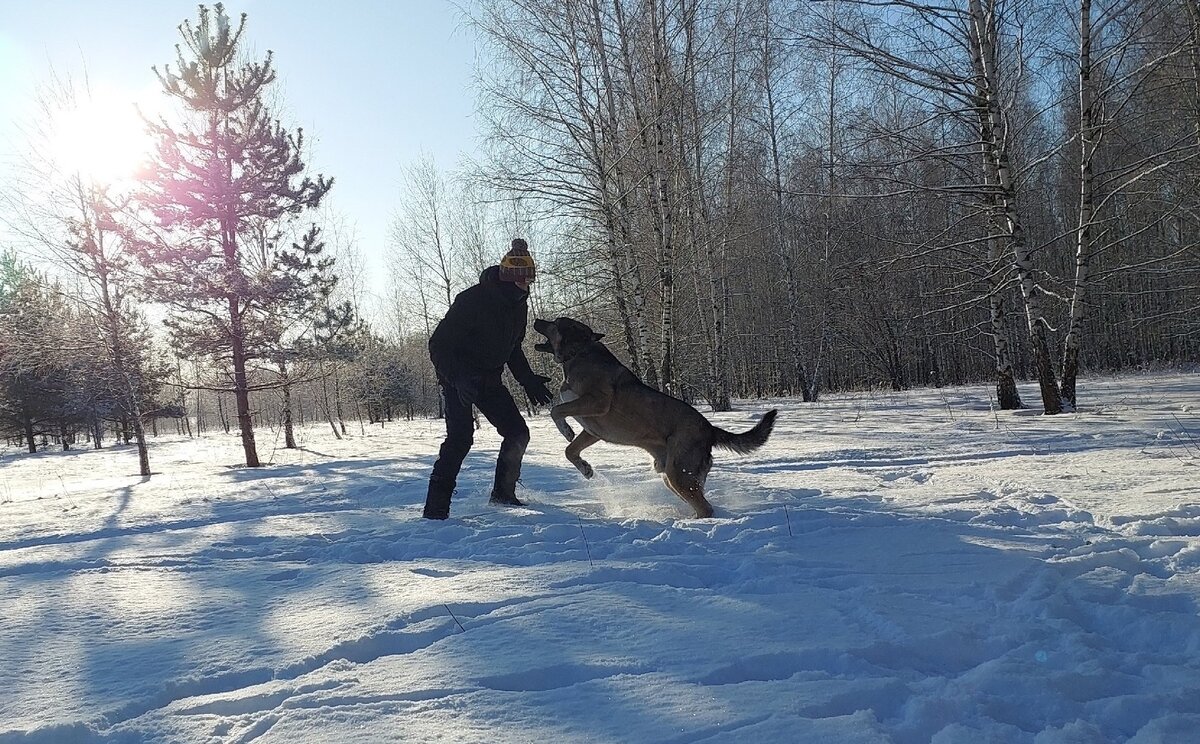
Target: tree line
772	197
750	197
60	385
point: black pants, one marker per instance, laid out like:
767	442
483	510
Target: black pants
496	404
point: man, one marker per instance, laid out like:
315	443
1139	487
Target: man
483	331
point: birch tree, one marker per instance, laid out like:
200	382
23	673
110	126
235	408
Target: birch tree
422	249
968	65
559	102
1116	59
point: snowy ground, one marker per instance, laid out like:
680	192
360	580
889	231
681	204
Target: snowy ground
904	567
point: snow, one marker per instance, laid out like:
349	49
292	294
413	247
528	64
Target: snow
891	567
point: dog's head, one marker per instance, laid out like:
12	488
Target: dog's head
565	337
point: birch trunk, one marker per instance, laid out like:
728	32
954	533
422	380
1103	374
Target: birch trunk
639	118
983	35
611	194
325	400
289	436
185	423
664	204
814	376
1088	141
720	399
1007	396
799	373
199	410
221	413
1193	9
131	395
337	398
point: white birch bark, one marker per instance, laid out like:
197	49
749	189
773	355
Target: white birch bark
1088	142
719	299
663	201
983	52
799	372
614	207
1007	396
624	34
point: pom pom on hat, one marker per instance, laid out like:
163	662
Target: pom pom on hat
517	264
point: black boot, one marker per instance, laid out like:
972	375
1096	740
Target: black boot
508	465
504	498
437	500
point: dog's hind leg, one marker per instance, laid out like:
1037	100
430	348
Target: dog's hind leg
578	445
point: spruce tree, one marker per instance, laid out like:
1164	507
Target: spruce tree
223	167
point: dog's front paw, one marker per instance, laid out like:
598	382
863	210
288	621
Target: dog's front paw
586	468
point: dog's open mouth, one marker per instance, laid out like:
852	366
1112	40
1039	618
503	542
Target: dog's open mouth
542	326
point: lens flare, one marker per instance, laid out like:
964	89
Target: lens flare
101	139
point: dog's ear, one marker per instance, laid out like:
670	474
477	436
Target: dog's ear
543	346
597	336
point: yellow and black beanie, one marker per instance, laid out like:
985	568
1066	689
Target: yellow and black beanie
517	264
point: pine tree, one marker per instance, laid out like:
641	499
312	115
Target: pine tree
303	320
226	167
339	335
37	388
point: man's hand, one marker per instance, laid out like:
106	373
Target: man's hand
537	391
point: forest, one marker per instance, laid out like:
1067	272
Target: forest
751	198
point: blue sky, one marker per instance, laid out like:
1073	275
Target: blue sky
374	83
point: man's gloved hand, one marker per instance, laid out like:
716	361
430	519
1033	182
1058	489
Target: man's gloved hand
537	391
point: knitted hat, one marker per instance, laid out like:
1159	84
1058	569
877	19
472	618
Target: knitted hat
517	264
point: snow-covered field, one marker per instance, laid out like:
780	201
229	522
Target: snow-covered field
904	567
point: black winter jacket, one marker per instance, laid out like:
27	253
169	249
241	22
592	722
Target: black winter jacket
483	331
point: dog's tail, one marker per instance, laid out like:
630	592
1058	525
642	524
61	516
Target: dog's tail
747	441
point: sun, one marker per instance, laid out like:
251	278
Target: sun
100	138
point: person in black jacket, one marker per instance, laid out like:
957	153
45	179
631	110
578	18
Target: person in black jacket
482	332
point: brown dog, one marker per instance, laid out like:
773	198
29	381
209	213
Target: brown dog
613	405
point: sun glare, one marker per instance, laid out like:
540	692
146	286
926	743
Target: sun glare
101	139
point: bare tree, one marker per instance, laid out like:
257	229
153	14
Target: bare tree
75	217
421	246
843	191
1116	60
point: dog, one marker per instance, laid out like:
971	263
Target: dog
612	405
